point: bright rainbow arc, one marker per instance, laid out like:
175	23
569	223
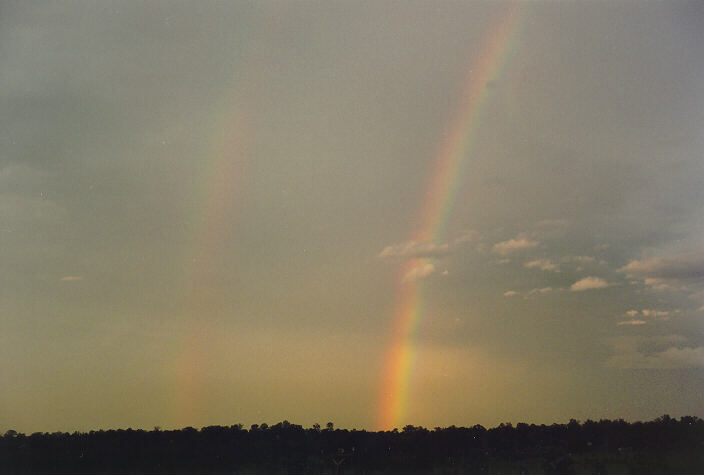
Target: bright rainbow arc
439	198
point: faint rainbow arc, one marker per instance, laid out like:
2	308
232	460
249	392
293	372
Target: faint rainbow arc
219	185
438	200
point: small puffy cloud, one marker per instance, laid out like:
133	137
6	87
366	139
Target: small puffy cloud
510	293
543	290
543	264
424	269
589	283
413	249
655	313
656	284
651	313
632	322
518	243
71	278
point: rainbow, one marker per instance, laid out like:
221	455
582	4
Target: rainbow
220	184
439	197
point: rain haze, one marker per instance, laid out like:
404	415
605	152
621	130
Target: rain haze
375	214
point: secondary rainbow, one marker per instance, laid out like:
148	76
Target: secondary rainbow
218	190
438	199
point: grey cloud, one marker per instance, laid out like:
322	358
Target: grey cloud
671	358
655	352
682	272
579	259
683	267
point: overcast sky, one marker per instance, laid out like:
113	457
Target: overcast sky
204	207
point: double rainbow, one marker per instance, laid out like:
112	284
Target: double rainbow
449	162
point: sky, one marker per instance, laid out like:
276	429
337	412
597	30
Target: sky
426	213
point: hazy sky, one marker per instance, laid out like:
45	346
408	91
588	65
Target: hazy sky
205	207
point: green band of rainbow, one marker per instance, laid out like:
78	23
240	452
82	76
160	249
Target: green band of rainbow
439	198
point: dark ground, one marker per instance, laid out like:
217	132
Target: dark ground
662	446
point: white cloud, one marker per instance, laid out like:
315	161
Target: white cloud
424	269
71	278
543	290
632	322
655	313
543	264
415	249
656	284
515	244
589	283
510	293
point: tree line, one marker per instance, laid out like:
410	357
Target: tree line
664	445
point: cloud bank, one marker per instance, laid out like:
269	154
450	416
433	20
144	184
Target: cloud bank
683	267
655	352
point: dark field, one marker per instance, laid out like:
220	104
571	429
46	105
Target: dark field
662	446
